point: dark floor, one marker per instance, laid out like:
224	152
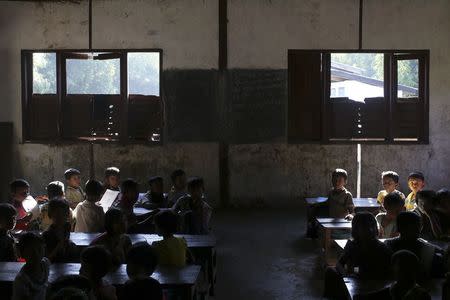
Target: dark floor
264	255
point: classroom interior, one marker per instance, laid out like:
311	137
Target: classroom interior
241	95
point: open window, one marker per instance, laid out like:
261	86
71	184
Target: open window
92	95
358	96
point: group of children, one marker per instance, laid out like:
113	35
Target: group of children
406	223
46	235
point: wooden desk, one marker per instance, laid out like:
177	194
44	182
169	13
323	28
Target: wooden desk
438	244
328	228
202	246
332	220
181	279
360	203
139	211
361	287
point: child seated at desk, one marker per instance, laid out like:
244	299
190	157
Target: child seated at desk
20	189
430	257
340	200
55	190
364	256
90	216
141	263
426	205
95	264
389	179
416	183
114	239
155	197
7	222
171	251
387	223
112	179
74	192
127	199
179	185
193	208
405	265
443	210
32	280
68	286
59	247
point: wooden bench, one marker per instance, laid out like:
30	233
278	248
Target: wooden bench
439	244
360	203
182	280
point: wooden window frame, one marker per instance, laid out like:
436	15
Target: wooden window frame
61	54
389	95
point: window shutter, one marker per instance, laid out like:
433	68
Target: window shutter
305	96
43	114
145	117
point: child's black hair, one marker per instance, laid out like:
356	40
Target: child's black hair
112	171
390	174
134	289
112	216
57	204
7	211
144	255
407	262
339	173
69	281
99	258
443	194
18	183
175	174
428	196
55	189
416	175
195	182
407	219
29	240
154	179
366	221
167	221
93	188
393	200
129	185
71	172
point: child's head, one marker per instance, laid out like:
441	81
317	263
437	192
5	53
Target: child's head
339	179
426	200
94	190
61	287
409	225
73	178
112	177
364	227
141	260
115	222
390	181
405	265
443	199
416	181
393	203
178	179
58	211
96	262
156	184
55	189
130	191
20	189
69	293
31	247
166	223
196	187
7	216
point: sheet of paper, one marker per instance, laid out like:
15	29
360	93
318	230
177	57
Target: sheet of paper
30	205
108	198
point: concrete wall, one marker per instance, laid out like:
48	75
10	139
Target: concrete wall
262	168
